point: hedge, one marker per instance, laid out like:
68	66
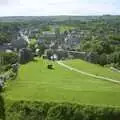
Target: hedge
60	111
2	109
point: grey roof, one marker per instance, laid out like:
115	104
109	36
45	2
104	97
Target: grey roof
5	47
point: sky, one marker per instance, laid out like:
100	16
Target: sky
58	7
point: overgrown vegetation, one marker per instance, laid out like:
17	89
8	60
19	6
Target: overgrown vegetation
60	111
2	107
7	60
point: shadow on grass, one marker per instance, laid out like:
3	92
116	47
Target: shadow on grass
28	61
34	60
51	69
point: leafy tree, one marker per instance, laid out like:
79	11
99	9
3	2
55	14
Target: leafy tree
9	58
32	44
103	59
2	108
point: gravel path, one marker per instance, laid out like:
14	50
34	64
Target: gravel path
87	74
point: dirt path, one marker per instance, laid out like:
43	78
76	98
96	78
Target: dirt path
87	74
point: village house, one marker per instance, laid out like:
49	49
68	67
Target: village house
72	39
49	35
6	46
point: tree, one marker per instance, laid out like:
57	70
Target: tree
93	57
9	58
25	55
2	108
32	44
103	59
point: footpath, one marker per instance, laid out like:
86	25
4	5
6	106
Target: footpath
87	74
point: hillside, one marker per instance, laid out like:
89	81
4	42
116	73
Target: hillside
93	69
37	83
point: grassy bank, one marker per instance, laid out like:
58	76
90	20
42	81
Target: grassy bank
37	83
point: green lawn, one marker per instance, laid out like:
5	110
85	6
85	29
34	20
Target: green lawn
93	69
36	82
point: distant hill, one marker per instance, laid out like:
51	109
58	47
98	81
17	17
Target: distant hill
55	18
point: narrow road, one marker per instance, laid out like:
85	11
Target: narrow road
87	74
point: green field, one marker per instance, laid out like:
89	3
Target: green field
36	82
93	69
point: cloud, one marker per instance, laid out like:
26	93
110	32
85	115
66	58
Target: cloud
9	2
3	2
58	7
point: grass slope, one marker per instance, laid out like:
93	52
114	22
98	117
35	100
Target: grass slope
36	82
93	69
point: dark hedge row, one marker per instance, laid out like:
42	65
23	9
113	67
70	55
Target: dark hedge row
2	109
60	111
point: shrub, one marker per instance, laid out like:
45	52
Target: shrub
12	75
50	66
2	109
27	111
9	58
60	111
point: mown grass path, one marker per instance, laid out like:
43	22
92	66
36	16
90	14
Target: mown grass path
87	74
